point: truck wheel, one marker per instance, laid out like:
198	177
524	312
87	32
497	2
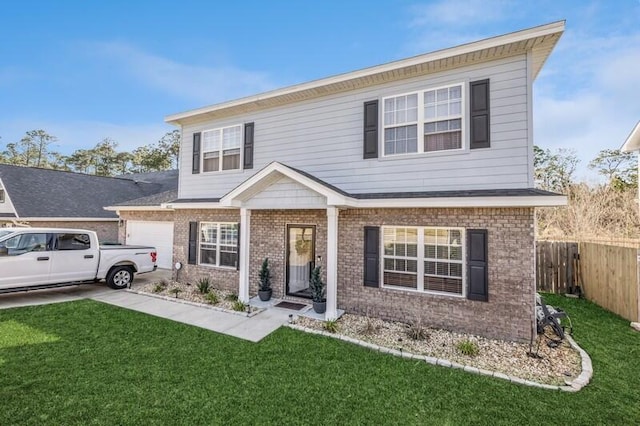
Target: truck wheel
119	277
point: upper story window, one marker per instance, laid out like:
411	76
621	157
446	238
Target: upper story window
1	195
424	121
221	149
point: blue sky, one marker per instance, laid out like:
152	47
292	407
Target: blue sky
86	70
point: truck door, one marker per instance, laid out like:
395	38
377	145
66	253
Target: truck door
25	259
73	258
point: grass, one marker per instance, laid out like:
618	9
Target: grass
113	366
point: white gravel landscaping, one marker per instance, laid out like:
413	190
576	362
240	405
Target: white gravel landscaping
188	292
555	365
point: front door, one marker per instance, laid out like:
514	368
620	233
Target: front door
301	249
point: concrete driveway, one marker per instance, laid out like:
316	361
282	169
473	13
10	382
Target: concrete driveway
74	292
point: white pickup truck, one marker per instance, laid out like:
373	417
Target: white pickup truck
47	257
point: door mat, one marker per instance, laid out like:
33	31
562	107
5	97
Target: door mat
291	305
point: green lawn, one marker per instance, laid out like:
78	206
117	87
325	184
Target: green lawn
90	363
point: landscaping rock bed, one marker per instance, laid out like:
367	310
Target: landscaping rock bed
189	292
554	365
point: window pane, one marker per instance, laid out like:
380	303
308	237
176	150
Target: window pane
430	252
442	95
430	112
455	253
231	159
401	265
442	268
429	236
455	92
400	249
211	140
388	264
208	233
455	108
412	266
455	269
229	235
401	103
429	97
208	256
443	110
412	101
442	141
228	256
231	137
211	162
455	237
430	268
388	118
443	252
401	116
67	241
389	148
401	280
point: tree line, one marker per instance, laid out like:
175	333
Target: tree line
604	211
104	159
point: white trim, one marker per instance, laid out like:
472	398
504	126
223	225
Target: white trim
632	143
243	256
530	155
421	121
420	259
118	209
484	49
221	150
433	202
332	264
67	219
217	244
450	202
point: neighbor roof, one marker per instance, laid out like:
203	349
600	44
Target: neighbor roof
49	193
540	41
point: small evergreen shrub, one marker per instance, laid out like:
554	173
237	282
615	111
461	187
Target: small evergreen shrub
239	306
331	326
417	331
231	297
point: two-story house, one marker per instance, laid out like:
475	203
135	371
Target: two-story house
410	183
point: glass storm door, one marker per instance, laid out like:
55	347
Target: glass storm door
301	248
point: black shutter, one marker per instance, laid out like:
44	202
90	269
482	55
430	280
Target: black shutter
238	250
248	145
195	167
193	243
371	256
370	147
479	114
477	262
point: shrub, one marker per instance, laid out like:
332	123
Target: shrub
331	326
317	286
417	331
212	298
231	297
467	347
203	285
265	275
370	327
175	291
239	306
160	287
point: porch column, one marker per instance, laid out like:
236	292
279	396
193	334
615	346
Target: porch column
332	263
245	231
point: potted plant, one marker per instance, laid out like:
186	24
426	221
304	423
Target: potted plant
317	291
264	290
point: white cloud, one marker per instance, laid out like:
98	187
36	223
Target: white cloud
198	83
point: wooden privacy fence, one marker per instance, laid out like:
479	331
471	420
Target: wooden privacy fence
607	274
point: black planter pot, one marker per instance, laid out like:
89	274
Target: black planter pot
264	295
320	307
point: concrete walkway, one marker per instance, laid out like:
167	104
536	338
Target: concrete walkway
253	328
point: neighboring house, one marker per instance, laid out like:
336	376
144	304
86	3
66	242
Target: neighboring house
51	198
410	183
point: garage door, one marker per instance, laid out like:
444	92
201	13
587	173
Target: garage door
157	234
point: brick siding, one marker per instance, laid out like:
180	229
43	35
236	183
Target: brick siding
507	315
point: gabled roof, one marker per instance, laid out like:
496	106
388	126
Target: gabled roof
540	41
49	193
633	140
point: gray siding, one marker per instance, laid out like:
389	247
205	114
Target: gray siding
324	137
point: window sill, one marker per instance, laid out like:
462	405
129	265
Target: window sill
224	268
443	153
427	292
223	172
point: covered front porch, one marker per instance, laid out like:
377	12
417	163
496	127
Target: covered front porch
291	219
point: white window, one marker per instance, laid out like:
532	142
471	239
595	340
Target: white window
218	244
424	259
221	149
436	112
